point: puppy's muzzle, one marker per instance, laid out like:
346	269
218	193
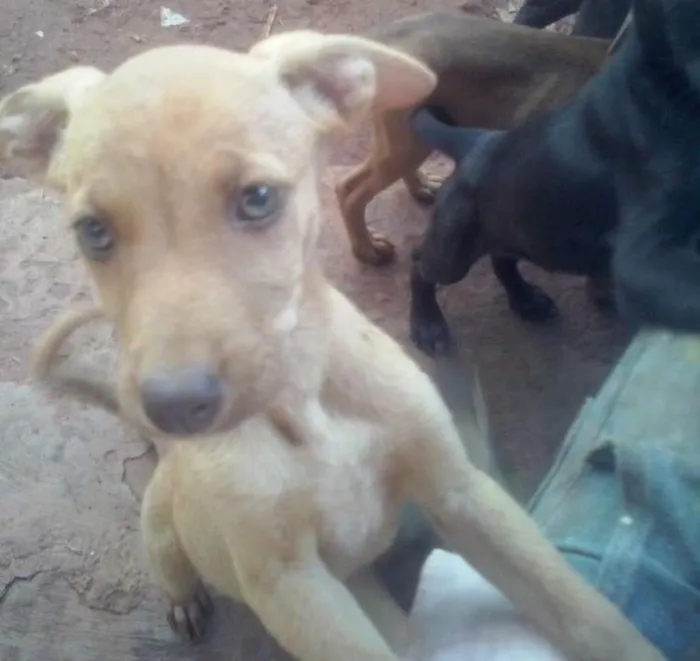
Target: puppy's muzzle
184	401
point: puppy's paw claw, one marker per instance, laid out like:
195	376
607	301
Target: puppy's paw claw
379	251
535	307
189	620
432	337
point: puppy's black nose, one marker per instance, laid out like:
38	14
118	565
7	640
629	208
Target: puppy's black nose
183	401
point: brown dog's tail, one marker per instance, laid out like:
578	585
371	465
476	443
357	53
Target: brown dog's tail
83	382
460	387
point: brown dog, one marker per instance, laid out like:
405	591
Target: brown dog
491	74
298	428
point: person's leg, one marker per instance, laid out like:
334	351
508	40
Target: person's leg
622	501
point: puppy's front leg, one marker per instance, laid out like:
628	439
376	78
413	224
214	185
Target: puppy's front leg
301	604
189	603
479	520
380	607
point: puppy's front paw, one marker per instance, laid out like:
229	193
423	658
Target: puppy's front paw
189	620
432	336
535	306
378	251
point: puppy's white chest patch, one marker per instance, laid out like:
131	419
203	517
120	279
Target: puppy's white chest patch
358	517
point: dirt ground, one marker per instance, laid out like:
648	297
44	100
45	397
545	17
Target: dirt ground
73	579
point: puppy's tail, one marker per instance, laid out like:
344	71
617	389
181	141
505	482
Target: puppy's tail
437	130
460	387
84	383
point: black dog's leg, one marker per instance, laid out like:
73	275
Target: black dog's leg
429	330
541	13
526	300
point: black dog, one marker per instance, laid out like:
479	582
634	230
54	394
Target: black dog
594	18
656	263
534	192
655	145
548	190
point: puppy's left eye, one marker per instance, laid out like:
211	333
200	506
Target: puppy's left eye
257	202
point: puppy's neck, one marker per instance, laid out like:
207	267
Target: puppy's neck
304	335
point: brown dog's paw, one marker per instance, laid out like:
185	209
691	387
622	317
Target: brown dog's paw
379	251
426	188
189	620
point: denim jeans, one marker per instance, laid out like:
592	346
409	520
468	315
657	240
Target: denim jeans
622	501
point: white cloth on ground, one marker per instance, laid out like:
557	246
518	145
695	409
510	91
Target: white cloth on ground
458	616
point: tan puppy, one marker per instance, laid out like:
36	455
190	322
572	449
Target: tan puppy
299	428
491	74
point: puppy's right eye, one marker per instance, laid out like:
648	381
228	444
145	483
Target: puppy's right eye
95	238
258	204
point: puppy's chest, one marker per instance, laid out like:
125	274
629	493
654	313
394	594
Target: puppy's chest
335	473
357	513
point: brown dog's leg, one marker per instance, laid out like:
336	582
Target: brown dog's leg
395	152
422	186
189	603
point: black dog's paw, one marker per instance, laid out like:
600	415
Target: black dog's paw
432	336
535	306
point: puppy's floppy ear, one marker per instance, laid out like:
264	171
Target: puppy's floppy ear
337	78
32	119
